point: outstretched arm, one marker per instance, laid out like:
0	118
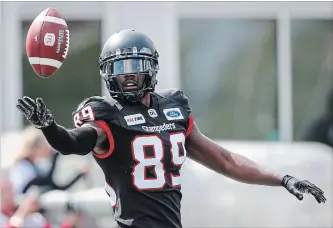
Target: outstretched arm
205	151
213	156
79	141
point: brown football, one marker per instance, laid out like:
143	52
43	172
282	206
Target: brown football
47	42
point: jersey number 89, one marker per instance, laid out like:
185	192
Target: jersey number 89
143	162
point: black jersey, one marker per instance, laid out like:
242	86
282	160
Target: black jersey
147	150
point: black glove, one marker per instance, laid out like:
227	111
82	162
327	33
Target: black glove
297	187
35	112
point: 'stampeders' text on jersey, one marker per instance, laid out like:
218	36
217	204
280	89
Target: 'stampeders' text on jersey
147	150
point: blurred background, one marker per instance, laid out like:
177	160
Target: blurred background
259	76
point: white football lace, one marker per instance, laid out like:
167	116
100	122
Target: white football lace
66	45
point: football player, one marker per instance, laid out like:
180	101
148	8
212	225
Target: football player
140	138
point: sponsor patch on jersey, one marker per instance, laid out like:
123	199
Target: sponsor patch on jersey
134	119
173	114
163	127
152	113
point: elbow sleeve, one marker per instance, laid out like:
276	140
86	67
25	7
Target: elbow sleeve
79	141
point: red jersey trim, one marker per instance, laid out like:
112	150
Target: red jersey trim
190	125
108	132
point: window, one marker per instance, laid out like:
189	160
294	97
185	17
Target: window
228	71
312	69
77	79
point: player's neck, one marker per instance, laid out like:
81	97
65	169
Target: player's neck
146	100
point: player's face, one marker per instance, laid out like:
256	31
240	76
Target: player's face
131	82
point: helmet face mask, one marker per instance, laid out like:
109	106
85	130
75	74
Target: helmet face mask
129	54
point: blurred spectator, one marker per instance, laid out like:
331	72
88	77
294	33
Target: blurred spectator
321	130
47	182
36	164
26	215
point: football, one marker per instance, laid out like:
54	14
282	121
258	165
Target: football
47	42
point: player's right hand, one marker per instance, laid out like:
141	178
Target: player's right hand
35	111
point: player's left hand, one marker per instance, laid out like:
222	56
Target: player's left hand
298	187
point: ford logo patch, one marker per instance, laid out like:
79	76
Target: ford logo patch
173	113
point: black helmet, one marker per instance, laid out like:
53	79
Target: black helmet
129	52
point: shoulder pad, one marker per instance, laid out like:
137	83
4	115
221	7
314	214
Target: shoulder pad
177	96
98	99
95	108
